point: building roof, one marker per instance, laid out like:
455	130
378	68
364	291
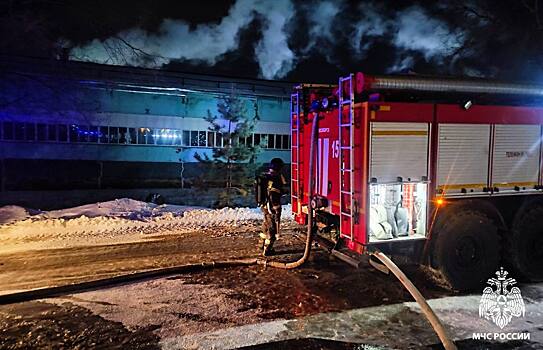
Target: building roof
112	76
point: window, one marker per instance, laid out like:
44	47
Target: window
249	140
132	136
210	138
42	132
62	133
123	135
19	131
194	138
113	134
218	140
202	138
30	131
8	131
271	141
257	140
51	132
177	137
278	140
165	137
285	144
73	134
93	134
104	135
82	133
186	138
150	137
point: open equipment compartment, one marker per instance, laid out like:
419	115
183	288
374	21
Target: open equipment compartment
398	211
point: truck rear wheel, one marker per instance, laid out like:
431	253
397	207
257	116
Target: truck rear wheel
525	245
467	250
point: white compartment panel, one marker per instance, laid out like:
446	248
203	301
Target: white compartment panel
399	150
463	157
516	156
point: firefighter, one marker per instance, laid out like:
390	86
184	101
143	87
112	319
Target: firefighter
272	186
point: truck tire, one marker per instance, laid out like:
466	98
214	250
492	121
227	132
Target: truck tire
467	250
525	245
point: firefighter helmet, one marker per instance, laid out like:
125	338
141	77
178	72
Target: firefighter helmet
276	164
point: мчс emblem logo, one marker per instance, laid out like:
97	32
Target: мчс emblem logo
502	302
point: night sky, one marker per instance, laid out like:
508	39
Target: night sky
286	39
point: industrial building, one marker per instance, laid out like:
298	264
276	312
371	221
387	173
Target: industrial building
73	125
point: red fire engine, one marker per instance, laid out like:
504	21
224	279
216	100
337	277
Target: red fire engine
445	171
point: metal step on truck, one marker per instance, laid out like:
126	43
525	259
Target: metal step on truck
446	172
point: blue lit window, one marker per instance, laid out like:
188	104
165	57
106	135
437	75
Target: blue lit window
177	138
164	136
94	133
82	133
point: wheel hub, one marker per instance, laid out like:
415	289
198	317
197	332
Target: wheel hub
467	252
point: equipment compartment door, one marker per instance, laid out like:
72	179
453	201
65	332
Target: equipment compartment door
399	150
515	161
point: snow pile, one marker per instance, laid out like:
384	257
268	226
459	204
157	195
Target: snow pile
13	213
228	216
120	208
121	220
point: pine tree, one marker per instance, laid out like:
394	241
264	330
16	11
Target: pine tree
234	163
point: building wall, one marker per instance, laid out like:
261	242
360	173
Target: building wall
91	134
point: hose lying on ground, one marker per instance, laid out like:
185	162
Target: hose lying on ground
441	332
309	238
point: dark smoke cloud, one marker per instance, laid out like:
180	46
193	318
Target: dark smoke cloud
413	32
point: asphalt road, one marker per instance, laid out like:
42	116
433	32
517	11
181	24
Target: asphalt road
323	305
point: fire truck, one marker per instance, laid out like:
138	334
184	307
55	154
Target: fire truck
446	172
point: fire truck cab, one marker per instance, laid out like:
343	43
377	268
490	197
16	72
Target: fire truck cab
444	171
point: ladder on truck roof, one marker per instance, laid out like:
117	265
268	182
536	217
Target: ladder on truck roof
346	165
295	153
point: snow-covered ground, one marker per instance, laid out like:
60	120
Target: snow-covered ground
118	221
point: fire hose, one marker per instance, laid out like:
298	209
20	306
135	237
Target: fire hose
441	332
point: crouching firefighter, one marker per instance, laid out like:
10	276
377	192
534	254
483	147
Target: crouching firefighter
269	187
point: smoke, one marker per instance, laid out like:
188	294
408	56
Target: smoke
273	54
331	29
371	26
412	32
206	43
417	31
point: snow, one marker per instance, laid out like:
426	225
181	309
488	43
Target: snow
118	221
120	208
13	213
